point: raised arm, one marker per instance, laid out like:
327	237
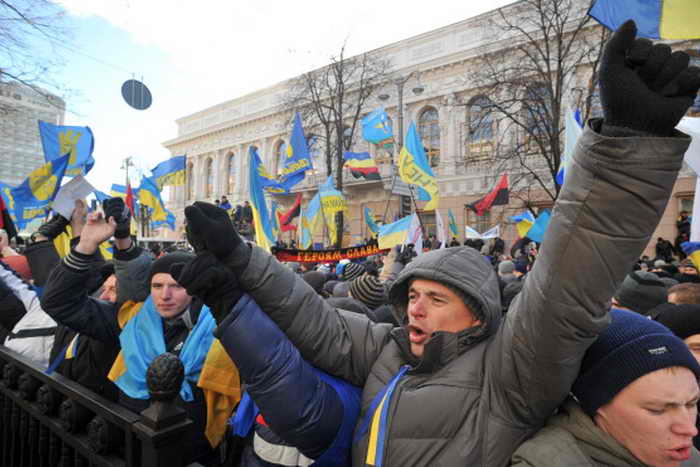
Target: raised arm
617	187
342	344
65	296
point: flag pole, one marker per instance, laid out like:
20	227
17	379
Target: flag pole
415	207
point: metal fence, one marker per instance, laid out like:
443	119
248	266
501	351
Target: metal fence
48	420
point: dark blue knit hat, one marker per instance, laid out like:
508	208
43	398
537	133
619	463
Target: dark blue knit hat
631	347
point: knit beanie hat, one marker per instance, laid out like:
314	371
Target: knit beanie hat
163	263
369	290
641	291
340	289
506	267
631	347
353	271
315	279
682	320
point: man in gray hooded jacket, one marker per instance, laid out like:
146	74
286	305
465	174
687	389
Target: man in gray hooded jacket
458	384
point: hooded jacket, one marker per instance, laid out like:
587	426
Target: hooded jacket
476	395
571	439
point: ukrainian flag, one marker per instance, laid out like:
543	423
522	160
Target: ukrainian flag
314	214
523	222
298	159
76	141
261	216
34	195
170	172
395	233
332	202
414	169
149	195
655	19
375	127
454	230
275	220
306	238
169	221
371	224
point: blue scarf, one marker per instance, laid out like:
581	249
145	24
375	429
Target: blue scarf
142	340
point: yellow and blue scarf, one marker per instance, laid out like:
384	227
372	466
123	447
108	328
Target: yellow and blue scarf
376	421
142	340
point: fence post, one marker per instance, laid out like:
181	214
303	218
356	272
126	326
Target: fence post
163	425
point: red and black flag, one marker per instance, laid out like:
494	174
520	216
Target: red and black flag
285	227
6	221
361	164
287	217
497	197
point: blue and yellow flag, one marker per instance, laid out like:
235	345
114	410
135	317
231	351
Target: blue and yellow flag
539	227
395	233
314	214
454	230
414	169
33	197
169	221
375	127
655	19
149	196
298	159
170	172
8	199
332	202
261	216
523	222
76	141
371	224
275	220
305	239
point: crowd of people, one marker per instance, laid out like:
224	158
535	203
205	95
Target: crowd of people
575	352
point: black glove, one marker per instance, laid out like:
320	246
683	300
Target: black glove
207	278
54	227
209	228
645	87
117	208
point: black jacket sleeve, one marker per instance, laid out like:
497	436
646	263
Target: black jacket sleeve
65	299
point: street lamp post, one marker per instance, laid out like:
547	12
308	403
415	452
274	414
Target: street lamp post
405	201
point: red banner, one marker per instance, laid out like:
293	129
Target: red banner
326	256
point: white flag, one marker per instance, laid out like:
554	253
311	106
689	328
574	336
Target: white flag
493	232
415	234
440	226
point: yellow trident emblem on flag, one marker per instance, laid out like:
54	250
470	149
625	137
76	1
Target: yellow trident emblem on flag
42	182
69	144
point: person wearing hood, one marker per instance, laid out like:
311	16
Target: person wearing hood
636	403
457	383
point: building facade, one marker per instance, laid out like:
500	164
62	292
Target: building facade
439	97
21	107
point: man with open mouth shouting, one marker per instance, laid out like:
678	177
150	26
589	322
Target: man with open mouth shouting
457	383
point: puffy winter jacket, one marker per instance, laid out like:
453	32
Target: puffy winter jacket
33	334
477	394
571	439
313	414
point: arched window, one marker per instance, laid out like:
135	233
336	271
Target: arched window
536	105
209	174
280	157
429	129
231	172
190	182
480	120
480	129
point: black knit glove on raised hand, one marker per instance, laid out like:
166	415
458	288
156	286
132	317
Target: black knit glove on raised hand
209	228
645	87
207	278
54	227
117	208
